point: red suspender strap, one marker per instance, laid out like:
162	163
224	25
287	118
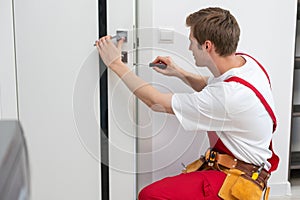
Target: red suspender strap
215	140
258	94
274	160
260	65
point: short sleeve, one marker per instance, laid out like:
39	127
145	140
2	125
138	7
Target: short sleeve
200	110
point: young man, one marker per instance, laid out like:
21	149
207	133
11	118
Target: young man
235	106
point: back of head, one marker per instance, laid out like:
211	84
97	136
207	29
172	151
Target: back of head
218	26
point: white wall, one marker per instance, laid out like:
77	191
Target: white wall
266	35
8	95
58	82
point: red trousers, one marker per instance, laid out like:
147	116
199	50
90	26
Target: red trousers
192	186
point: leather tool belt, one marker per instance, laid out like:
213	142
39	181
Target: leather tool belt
244	181
240	182
223	161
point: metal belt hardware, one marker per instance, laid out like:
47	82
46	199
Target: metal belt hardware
183	165
220	161
211	158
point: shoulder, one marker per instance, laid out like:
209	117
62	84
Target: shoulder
233	96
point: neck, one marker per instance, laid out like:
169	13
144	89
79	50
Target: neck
223	64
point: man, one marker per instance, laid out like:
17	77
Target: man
235	106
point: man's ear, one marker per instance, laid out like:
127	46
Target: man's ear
208	45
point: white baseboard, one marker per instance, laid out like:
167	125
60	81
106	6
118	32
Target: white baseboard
280	189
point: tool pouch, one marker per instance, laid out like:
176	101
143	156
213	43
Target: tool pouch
238	187
194	166
246	189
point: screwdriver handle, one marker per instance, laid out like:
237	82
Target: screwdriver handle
159	65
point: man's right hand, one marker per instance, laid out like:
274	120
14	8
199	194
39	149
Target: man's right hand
196	81
171	70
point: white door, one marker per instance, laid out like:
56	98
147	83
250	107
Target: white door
121	106
163	145
58	77
8	94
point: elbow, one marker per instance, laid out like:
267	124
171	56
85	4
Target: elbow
157	107
162	109
158	102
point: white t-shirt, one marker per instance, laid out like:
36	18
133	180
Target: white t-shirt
233	111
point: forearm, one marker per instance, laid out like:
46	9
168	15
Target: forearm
197	82
154	99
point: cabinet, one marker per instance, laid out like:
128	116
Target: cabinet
295	130
295	137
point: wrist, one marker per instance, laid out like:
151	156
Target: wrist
116	64
180	73
119	68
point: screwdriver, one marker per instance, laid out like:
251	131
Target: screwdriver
256	174
159	65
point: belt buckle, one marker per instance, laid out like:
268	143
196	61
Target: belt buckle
210	157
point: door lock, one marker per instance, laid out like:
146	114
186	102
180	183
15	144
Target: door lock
122	34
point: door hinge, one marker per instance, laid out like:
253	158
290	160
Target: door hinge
137	42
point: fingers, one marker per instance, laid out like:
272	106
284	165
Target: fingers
120	43
166	60
102	41
157	69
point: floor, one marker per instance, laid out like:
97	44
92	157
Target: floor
295	182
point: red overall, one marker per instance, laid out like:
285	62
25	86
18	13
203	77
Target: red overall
201	185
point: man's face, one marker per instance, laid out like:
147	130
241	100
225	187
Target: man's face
200	55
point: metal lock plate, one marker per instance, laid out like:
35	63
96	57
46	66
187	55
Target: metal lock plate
122	34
